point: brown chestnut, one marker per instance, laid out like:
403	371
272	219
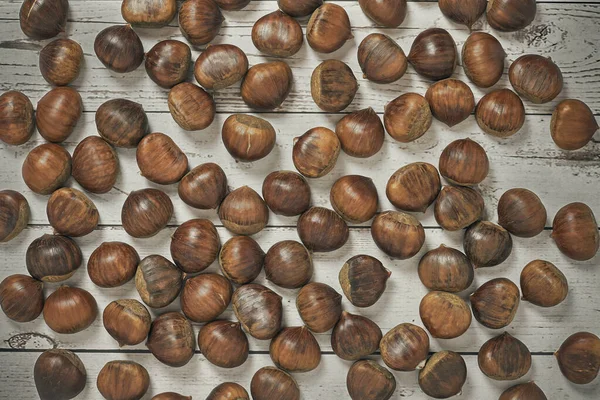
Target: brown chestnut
58	112
463	12
407	117
119	48
267	85
70	310
231	5
95	165
521	212
127	321
543	284
43	19
168	61
286	193
277	34
575	231
204	187
71	213
523	391
171	339
510	15
158	281
363	279
451	101
258	309
59	374
487	244
270	383
405	347
361	133
464	162
444	375
397	234
536	78
112	264
160	159
328	28
123	380
195	245
386	13
333	85
223	343
171	396
495	303
121	122
381	59
46	168
288	264
579	357
433	54
322	230
17	119
220	66
21	297
319	306
53	258
244	212
354	198
445	315
200	21
241	259
354	337
299	8
248	138
458	207
148	13
14	214
483	59
446	269
316	152
146	212
414	187
191	106
295	349
204	297
573	124
504	358
368	380
60	61
500	113
228	391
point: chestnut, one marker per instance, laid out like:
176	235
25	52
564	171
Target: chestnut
204	187
120	380
127	321
43	19
363	279
277	34
228	391
445	315
487	244
386	13
451	101
446	269
328	28
58	112
463	12
269	383
17	119
220	66
536	78
458	207
200	21
405	347
112	264
368	380
158	281
381	59
95	165
464	162
523	391
354	198
171	396
361	133
72	213
231	5
223	343
521	212
148	13
414	187
146	212
543	284
168	61
121	122
315	152
119	48
354	337
295	349
299	8
53	258
160	159
407	117
322	230
504	358
286	193
495	303
244	212
59	374
258	309
333	85
500	113
319	306
510	15
14	214
70	310
171	339
46	168
483	59
575	231
241	259
195	245
204	297
191	106
21	297
572	125
248	138
444	375
288	264
60	61
267	85
433	54
579	357
397	234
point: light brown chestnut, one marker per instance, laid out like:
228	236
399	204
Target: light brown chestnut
319	306
333	85
277	34
295	349
444	375
575	231
248	138
286	193
14	214
112	264
368	380
288	264
445	315
495	303
397	234
572	125
458	207
361	133
414	187
119	48
70	310
500	113
127	321
267	85
381	59
521	212
322	230
270	383
407	117
258	309
386	13
487	244
158	281
120	380
59	374
43	19
523	391
510	15
446	269
463	12
17	119
223	343
328	28
579	357
60	61
204	187
536	78
95	165
121	122
315	153
241	259
464	162
200	21
53	258
354	198
21	297
244	212
483	59
168	62
405	347
146	212
160	159
148	13
228	391
71	213
171	339
46	168
220	66
191	106
204	297
354	337
433	54
363	279
195	245
543	284
231	5
504	358
451	101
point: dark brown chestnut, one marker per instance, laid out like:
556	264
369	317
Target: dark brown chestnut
458	207
231	5
579	357
269	383
191	106
361	133
119	48
241	259
322	230
354	337
333	85
21	297
258	309
171	396
228	391
71	213
53	258
521	212
60	61
158	281
446	269
463	12
368	380
487	244
575	231
160	159
381	59
451	101
112	264
267	85
121	122
405	347
288	264
386	13
204	187
295	349
95	165
223	343
354	198
483	59
277	34
464	162
504	358
168	62
495	303
363	279
46	168
146	212
43	19
123	380
195	245
328	28
407	117
500	113
444	375
523	391
14	214
397	234
299	8
220	66
17	120
148	13
414	187
536	78
248	138
315	153
200	21
445	315
319	306
286	193
70	310
127	321
59	374
171	339
244	212
433	54
543	284
573	124
204	297
510	15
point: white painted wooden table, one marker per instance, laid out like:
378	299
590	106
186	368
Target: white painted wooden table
569	32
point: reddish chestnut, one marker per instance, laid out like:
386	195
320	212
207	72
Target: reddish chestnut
59	374
333	85
363	279
95	165
322	230
445	315
21	297
204	187
414	187
405	347
223	343
191	106
397	234
228	391
368	380
160	159
446	269
500	113
46	168
354	198
543	284
146	212
14	214
123	380
248	138
112	264
167	63
487	244
121	122
295	349
72	213
381	59
204	297
407	117
451	101
483	59
361	133
195	245
354	337
510	15
200	21
504	358
521	212
579	357
70	310
536	78
288	264
458	207
575	231
328	28
17	120
127	321
315	153
241	259
319	306
386	13
244	212
573	124
53	258
220	66
523	391
119	48
286	193
171	339
464	162
148	13
463	12
267	85
433	54
43	19
60	61
269	383
495	303
277	34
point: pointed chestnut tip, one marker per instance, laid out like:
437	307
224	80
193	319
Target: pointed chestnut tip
344	314
421	364
388	272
